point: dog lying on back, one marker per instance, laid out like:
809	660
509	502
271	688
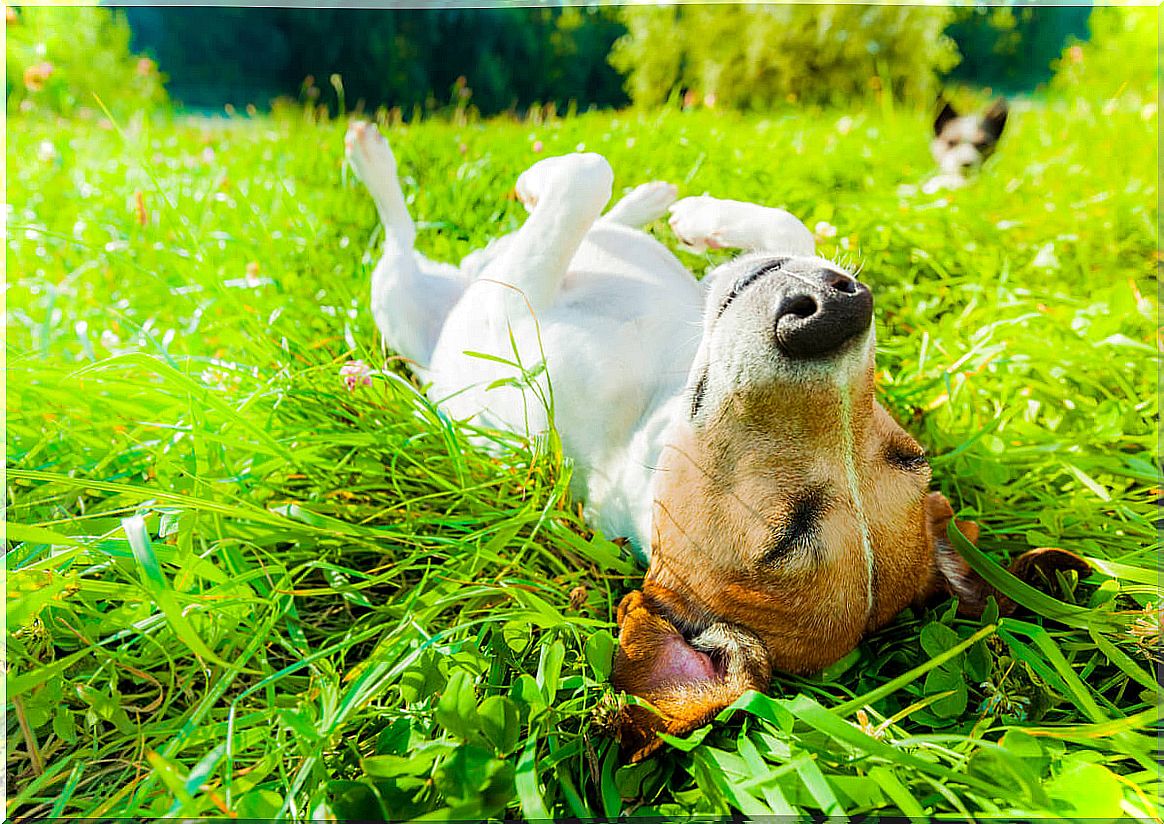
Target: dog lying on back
963	142
728	428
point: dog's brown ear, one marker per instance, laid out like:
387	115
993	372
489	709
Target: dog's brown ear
952	575
684	687
994	120
945	114
1037	566
955	577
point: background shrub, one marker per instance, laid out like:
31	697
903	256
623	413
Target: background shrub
57	59
754	57
1121	56
501	59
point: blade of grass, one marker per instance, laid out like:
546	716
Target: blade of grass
1026	595
908	678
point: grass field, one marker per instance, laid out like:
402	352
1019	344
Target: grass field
236	587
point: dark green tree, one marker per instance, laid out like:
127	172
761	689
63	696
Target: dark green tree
502	58
1011	48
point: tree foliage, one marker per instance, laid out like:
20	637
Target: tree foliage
508	58
747	56
1012	48
1121	56
63	59
757	56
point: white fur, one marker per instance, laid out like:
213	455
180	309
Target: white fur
614	316
943	182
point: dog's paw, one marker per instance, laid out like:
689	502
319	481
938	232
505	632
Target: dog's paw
644	203
527	190
943	182
698	223
368	152
580	177
710	223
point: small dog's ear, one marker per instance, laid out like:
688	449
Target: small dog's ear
955	577
945	115
994	120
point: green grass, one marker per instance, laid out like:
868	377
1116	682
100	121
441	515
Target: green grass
235	586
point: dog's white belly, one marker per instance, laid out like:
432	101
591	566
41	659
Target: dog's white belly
617	342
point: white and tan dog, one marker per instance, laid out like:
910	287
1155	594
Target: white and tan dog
727	428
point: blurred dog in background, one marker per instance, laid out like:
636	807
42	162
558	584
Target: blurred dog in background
962	142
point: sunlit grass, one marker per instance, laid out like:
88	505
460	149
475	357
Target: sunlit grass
238	587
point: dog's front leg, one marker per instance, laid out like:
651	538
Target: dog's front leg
646	202
710	223
565	195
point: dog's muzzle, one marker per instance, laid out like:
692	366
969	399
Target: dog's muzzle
818	312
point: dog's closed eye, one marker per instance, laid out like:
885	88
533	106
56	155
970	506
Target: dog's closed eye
905	456
798	529
697	395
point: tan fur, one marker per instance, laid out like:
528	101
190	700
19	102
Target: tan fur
719	491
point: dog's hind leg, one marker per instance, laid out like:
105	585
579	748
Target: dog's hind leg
643	204
411	295
564	195
375	166
710	223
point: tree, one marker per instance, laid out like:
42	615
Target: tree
1010	48
407	57
759	56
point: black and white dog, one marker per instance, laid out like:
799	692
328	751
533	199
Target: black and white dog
962	142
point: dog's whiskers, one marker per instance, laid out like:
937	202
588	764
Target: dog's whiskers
748	508
663	563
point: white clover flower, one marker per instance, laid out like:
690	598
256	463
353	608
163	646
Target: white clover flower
824	229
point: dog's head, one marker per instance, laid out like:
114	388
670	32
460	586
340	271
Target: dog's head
962	142
792	514
789	502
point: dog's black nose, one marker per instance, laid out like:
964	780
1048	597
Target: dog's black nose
820	311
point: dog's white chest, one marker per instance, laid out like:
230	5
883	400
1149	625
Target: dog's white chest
578	319
606	358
